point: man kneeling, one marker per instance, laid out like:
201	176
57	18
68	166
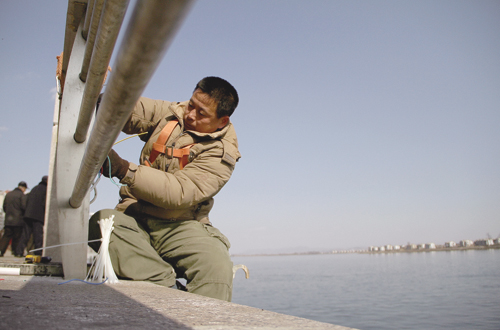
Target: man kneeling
162	229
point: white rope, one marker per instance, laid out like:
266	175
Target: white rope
54	246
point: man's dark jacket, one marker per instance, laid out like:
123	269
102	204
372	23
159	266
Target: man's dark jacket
35	205
14	204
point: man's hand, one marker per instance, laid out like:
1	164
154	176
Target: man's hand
119	166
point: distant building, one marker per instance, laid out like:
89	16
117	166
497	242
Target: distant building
411	247
421	246
450	244
397	247
496	241
430	246
483	242
388	247
381	249
466	243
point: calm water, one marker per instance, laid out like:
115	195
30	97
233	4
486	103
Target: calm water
429	290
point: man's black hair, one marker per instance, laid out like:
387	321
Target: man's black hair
222	92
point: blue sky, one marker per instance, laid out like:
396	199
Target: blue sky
360	122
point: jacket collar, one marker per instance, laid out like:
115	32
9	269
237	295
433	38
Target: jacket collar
178	109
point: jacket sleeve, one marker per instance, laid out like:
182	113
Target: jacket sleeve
145	116
24	202
200	180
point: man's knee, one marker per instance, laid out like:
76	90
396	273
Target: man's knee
214	284
120	220
214	277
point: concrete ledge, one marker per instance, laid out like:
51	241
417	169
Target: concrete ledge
50	269
35	302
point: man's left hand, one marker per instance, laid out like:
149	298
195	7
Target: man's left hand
119	166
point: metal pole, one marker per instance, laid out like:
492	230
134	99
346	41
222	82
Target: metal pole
88	18
51	226
111	21
72	222
76	10
150	31
89	46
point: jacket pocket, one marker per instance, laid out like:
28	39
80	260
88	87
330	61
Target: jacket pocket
214	232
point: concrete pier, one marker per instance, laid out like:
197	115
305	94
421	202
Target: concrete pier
39	302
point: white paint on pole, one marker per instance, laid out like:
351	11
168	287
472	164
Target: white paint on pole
73	222
51	226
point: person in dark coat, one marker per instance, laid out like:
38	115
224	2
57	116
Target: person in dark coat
14	205
34	217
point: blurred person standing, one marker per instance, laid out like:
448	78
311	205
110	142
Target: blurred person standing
2	213
34	217
14	205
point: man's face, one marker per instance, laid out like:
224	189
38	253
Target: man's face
201	114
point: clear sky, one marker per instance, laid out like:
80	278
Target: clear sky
360	122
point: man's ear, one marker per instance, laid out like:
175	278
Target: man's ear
223	122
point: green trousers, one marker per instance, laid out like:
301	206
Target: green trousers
160	251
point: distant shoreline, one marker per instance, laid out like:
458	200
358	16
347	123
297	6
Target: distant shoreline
455	248
437	249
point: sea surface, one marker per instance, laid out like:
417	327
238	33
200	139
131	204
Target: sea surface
425	290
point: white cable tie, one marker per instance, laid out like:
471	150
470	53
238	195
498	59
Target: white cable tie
102	268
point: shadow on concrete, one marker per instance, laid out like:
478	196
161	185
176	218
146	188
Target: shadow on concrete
40	302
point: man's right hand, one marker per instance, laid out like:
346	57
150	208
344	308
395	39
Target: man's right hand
119	166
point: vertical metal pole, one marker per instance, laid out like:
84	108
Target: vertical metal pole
73	222
150	32
111	21
51	226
